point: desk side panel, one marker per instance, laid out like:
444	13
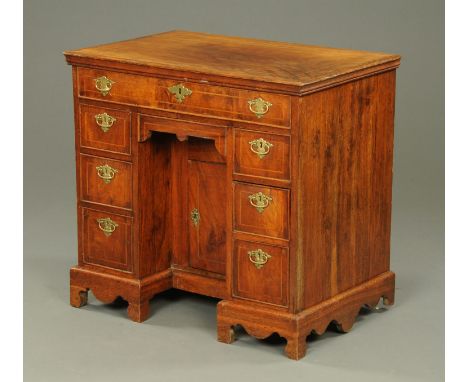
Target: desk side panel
345	186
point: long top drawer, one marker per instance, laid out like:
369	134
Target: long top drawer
188	97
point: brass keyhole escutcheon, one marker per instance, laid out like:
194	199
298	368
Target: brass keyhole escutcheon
259	258
107	225
180	92
195	216
259	106
261	147
106	173
104	121
260	201
104	85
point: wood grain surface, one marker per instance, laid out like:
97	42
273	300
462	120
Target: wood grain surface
214	56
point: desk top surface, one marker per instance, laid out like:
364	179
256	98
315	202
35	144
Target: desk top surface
234	57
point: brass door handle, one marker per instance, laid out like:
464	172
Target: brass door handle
106	173
103	84
179	91
107	225
259	106
260	201
258	258
261	147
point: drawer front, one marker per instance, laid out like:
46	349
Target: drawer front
261	210
263	155
106	239
106	181
105	129
261	273
120	87
189	97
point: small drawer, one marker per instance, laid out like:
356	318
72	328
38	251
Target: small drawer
106	181
105	129
185	97
117	87
262	155
106	239
261	273
261	210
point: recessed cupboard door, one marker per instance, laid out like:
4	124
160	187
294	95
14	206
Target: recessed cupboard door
207	216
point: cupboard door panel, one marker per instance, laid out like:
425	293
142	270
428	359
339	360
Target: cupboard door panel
207	216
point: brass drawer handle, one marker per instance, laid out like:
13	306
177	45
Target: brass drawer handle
107	225
259	106
260	201
195	216
180	92
261	147
259	258
103	84
106	173
105	121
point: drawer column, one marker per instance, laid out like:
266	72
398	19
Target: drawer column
122	195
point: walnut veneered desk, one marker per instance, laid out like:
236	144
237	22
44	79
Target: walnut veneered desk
256	172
